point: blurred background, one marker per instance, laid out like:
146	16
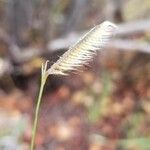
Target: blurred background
106	106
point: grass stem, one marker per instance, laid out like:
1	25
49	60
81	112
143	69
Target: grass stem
44	76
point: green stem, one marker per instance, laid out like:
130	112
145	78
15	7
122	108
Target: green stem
43	80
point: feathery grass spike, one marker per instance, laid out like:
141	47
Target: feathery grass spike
81	52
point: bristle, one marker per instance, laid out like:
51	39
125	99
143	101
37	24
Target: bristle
81	52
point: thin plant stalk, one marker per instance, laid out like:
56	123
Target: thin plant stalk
76	56
44	76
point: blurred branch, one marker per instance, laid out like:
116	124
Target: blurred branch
125	29
19	55
119	44
133	27
63	43
15	53
129	45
